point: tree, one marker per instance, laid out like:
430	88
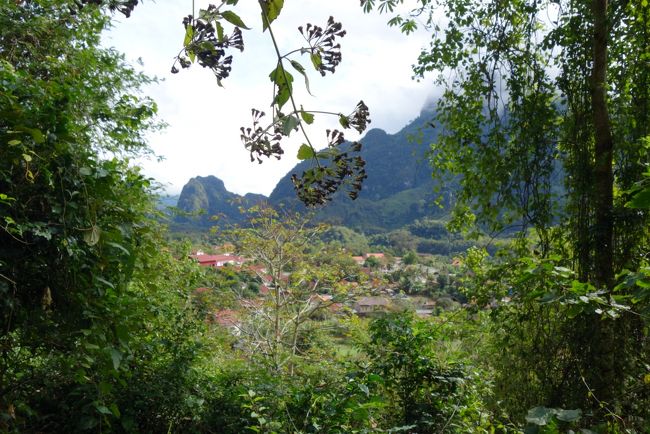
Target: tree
537	93
410	258
81	287
424	393
529	93
301	281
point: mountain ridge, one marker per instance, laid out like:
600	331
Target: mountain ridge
399	188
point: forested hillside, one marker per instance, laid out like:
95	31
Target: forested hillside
206	198
285	325
399	188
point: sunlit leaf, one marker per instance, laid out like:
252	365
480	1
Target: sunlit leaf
234	19
189	34
116	357
301	69
305	152
270	11
569	415
316	60
307	117
289	123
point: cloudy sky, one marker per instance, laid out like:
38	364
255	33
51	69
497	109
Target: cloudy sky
204	119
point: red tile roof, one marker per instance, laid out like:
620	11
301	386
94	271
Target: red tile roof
217	260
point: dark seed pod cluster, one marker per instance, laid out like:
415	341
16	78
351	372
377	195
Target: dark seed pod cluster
125	7
318	185
324	50
359	119
207	45
261	142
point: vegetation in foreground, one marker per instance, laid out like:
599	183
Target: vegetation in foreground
102	332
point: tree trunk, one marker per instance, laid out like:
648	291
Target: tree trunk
603	174
603	352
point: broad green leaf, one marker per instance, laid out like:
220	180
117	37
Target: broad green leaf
569	415
316	60
103	409
122	334
115	410
105	282
234	19
364	389
540	415
305	152
116	357
118	246
301	69
36	134
284	82
641	200
220	31
14	142
288	124
91	236
307	117
270	11
189	34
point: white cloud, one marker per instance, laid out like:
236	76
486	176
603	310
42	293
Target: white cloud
204	120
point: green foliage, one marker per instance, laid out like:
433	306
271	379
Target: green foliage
425	392
513	131
302	278
410	258
91	306
102	326
350	240
554	326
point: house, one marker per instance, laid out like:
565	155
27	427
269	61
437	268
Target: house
217	260
369	305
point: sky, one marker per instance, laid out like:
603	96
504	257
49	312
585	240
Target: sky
202	137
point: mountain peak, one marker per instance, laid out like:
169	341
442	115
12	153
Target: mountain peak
209	196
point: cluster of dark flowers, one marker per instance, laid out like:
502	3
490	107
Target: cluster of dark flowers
124	7
317	185
209	49
325	51
262	142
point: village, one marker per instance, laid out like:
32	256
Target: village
383	284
